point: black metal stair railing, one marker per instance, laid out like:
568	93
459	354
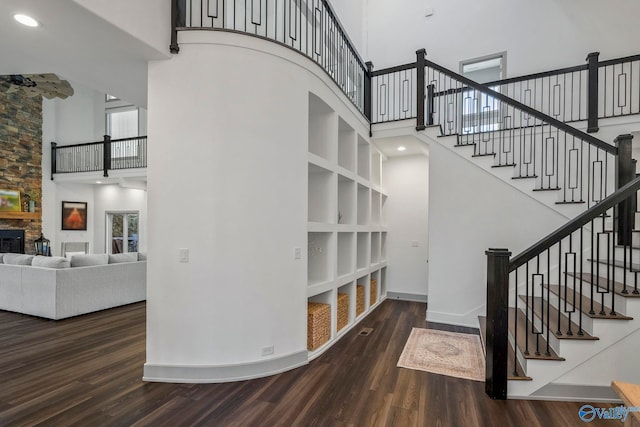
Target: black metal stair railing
310	27
537	146
574	274
108	154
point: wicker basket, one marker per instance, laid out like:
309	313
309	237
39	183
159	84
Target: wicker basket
373	292
359	300
343	311
318	324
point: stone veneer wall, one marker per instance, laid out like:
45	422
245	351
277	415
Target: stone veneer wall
21	156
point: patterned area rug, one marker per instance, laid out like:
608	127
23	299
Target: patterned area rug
445	353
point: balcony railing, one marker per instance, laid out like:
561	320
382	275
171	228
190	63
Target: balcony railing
105	155
310	27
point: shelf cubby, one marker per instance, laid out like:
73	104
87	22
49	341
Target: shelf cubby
375	208
364	158
362	257
328	298
375	248
320	258
321	195
383	282
374	292
376	168
322	129
364	282
364	205
346	253
383	209
346	200
346	146
349	290
383	246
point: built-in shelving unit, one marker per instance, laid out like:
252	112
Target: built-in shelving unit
346	219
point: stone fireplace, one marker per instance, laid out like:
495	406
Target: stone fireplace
21	160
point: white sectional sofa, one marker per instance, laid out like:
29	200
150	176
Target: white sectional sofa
56	288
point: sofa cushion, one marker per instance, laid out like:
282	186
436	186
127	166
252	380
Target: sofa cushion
50	262
17	259
68	255
127	257
86	260
142	256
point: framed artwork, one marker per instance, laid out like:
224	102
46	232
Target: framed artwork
10	201
74	215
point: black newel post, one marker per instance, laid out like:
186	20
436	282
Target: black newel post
106	155
367	93
420	83
54	165
497	322
625	173
592	92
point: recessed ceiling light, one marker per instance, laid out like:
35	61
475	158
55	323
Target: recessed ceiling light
25	20
402	148
98	182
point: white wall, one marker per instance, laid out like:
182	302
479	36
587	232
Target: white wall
407	183
146	20
471	210
353	17
537	36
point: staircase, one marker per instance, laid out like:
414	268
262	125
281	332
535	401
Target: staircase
571	301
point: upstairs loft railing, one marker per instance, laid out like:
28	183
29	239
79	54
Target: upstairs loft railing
576	266
591	91
556	155
310	27
108	154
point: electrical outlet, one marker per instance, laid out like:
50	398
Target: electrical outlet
414	243
267	351
184	254
297	253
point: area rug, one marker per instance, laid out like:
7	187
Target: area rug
445	353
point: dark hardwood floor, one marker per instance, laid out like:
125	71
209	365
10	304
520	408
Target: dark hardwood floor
86	371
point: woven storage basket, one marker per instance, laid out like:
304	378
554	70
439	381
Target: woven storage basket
373	292
343	311
359	300
318	324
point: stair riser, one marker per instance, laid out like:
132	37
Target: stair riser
616	273
620	303
587	322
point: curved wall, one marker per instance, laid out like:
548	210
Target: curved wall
227	180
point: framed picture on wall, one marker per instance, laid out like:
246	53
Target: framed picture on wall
10	201
74	215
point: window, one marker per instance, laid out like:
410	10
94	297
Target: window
122	122
122	232
481	113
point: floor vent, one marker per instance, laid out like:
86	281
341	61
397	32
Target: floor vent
365	331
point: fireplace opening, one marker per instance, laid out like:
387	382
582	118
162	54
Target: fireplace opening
12	241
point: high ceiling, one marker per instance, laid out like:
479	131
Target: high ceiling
77	45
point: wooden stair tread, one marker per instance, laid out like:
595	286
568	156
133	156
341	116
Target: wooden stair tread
602	283
521	375
535	304
525	335
597	307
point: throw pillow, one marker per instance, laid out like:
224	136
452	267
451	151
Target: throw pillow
127	257
17	259
50	262
86	260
